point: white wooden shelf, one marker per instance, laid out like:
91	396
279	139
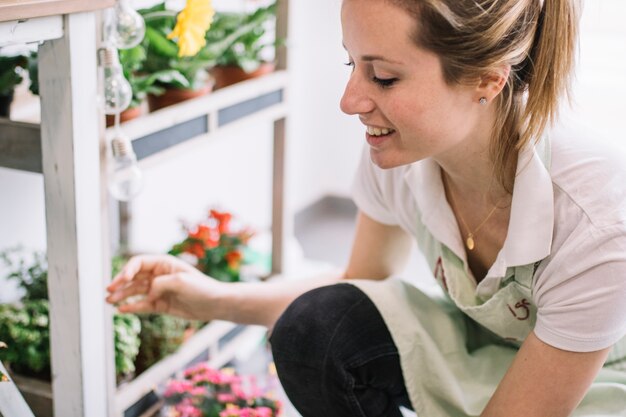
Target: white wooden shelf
66	147
151	134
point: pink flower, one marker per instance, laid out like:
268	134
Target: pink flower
226	397
178	387
188	410
264	412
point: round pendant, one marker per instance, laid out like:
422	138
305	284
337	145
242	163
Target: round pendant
470	242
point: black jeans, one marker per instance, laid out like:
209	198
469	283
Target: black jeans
335	357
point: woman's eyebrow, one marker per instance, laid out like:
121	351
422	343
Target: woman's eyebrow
370	58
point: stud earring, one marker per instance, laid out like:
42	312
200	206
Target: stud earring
483	100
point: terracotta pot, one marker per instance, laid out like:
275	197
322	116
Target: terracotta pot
176	95
5	104
226	75
126	115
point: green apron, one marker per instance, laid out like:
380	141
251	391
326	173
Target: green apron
455	346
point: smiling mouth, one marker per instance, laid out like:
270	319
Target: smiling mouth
377	131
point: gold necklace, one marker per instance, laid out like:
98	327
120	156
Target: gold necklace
469	241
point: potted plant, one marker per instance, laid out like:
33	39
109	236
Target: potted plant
24	327
172	42
160	336
142	84
207	392
10	76
244	57
214	248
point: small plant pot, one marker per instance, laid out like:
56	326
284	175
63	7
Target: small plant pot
226	75
5	104
128	114
176	95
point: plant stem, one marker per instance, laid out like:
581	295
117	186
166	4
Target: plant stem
158	15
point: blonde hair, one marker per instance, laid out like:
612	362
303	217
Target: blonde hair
475	37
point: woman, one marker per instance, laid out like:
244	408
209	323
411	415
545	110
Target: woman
524	230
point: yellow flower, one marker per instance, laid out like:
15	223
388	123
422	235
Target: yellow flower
191	25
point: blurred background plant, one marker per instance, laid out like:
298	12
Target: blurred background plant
215	249
11	75
160	336
24	326
250	48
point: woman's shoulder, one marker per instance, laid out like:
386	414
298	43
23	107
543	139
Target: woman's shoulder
588	170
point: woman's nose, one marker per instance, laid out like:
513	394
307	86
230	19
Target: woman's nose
354	99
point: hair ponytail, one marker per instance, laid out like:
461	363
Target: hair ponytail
552	60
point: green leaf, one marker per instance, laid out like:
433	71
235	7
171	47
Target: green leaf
160	44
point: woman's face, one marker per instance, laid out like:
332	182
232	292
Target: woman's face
398	88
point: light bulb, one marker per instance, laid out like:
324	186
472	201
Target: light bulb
117	90
128	27
125	177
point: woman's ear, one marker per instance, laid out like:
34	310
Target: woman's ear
492	83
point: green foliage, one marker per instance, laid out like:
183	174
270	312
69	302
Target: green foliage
160	336
126	328
245	49
162	67
142	84
24	327
232	38
33	73
25	331
10	73
32	277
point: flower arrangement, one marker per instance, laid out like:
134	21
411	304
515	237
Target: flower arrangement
218	251
207	392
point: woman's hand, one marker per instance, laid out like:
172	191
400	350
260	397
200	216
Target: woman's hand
164	284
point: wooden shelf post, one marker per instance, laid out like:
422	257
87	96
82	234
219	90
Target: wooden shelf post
81	370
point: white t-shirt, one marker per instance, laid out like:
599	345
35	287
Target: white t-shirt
569	213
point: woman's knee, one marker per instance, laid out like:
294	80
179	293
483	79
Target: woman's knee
306	327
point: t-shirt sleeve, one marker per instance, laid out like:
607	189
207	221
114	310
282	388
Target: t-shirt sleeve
368	191
581	294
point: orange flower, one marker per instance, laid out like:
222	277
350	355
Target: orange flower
233	259
196	249
207	234
223	220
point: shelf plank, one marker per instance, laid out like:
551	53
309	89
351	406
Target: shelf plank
27	9
11	401
20	144
30	30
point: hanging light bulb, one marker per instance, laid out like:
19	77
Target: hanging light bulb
125	177
117	90
127	27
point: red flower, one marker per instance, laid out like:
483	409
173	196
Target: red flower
208	235
223	220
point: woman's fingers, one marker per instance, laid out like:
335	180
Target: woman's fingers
137	287
139	266
157	295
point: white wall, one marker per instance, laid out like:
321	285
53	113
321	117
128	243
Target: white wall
323	144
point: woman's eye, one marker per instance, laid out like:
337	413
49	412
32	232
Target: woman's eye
349	64
384	82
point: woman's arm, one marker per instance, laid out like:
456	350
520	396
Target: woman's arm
378	251
171	286
544	381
